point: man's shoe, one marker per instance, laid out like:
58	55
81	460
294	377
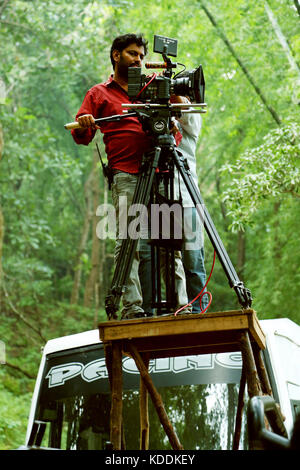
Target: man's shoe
186	311
133	315
149	314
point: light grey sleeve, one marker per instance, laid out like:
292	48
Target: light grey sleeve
191	123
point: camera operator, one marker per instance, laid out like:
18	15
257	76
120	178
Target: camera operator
125	143
189	125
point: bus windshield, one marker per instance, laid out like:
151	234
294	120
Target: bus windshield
200	395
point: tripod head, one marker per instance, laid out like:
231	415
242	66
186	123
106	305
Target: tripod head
155	117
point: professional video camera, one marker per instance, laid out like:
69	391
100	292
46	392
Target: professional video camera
150	95
159	88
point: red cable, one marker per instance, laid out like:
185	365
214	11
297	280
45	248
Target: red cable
202	293
147	84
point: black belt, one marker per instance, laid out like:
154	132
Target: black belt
115	172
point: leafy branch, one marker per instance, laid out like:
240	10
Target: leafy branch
270	170
19	315
19	369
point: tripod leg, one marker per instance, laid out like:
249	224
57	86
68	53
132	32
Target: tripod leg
162	237
243	294
129	244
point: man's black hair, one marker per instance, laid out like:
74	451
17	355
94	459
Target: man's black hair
121	42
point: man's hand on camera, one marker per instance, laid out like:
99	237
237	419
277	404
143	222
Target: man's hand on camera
173	127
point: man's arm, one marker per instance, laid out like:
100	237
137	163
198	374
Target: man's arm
190	122
85	117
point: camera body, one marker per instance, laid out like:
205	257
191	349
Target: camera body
159	88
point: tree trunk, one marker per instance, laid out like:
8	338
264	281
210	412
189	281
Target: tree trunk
230	415
241	254
241	64
282	39
83	240
286	48
277	252
92	281
1	214
103	258
1	244
222	205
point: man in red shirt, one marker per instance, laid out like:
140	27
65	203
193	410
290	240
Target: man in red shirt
125	143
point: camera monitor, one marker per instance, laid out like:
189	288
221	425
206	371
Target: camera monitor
161	42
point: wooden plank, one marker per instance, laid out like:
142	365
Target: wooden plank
253	382
256	331
156	398
144	414
116	397
170	325
194	343
162	327
239	412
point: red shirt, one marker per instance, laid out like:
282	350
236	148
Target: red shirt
125	141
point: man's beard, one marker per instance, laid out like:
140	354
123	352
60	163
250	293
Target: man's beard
123	68
123	71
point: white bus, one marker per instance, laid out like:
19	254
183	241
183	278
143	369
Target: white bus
70	407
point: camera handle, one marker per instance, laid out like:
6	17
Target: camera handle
115	117
179	107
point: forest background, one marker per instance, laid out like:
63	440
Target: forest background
54	270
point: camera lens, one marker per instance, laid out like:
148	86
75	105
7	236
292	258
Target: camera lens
191	85
181	86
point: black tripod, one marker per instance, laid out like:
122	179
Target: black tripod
155	119
166	236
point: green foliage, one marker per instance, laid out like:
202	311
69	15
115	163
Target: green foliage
14	414
268	171
51	53
187	410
